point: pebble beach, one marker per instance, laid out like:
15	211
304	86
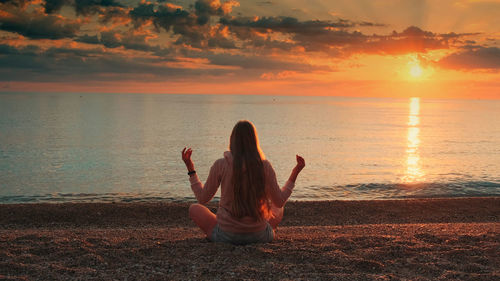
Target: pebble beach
414	239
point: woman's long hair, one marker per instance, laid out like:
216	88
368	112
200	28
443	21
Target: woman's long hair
250	198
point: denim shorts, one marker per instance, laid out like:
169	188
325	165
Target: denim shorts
264	236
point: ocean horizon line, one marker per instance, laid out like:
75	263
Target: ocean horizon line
261	95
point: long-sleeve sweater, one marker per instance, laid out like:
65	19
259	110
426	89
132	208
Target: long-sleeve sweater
220	174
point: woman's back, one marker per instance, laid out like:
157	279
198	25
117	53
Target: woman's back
221	173
249	190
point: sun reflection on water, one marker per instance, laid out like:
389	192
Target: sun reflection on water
413	170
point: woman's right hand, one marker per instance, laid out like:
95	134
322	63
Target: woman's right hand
186	157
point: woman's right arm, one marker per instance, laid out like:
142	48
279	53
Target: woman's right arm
203	193
279	196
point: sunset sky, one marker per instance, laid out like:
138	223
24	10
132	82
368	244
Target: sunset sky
441	49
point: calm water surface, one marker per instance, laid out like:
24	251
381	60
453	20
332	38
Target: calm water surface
126	147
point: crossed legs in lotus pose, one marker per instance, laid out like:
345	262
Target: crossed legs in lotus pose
206	220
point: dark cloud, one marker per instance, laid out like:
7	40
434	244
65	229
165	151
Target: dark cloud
203	37
115	15
264	44
335	38
77	53
162	17
55	5
285	24
25	61
169	15
37	25
83	7
262	63
366	23
17	3
31	50
37	65
93	6
473	58
312	35
88	39
413	31
127	39
326	40
411	40
193	31
219	38
33	64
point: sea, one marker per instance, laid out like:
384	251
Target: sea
69	147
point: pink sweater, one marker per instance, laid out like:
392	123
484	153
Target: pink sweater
220	174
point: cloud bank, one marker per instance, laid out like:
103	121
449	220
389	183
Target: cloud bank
55	40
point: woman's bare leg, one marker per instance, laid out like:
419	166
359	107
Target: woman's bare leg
277	216
203	217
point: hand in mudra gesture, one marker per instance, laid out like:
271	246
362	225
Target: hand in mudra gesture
186	157
301	163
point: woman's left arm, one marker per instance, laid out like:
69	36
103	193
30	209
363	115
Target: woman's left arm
301	163
280	195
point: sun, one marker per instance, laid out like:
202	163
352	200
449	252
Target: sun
416	70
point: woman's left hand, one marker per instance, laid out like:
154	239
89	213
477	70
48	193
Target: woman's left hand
301	163
186	157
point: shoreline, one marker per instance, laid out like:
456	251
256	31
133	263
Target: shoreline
340	212
62	198
416	239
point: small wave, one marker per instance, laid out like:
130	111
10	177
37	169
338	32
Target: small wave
96	198
412	190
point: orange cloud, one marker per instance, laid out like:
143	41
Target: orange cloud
278	76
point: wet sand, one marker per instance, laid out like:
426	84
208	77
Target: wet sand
418	239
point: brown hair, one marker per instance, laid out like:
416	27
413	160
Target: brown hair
250	198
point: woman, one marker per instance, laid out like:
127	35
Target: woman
251	203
